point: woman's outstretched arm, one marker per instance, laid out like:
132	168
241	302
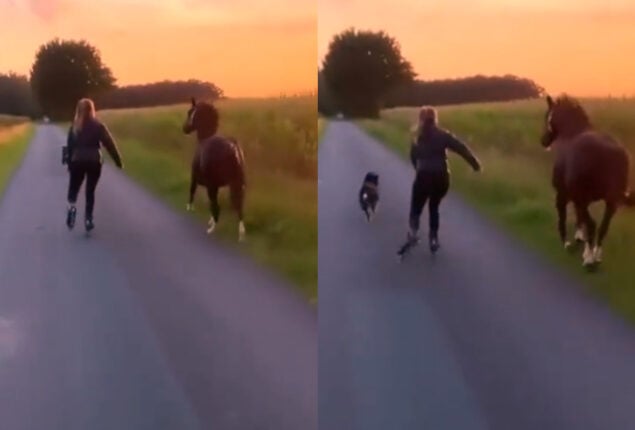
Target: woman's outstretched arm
455	145
111	146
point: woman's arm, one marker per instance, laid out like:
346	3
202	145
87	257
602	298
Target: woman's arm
70	144
111	146
455	145
413	154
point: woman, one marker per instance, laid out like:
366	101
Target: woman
429	158
85	138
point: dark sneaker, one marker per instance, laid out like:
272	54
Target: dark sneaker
89	224
70	217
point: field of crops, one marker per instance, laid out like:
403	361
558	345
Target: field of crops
515	189
279	138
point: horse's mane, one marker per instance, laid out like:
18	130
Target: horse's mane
209	115
573	108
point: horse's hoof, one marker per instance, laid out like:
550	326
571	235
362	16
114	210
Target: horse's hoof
588	257
189	207
588	262
568	246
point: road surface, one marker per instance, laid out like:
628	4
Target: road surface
148	324
485	335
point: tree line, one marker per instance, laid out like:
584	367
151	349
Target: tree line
67	70
158	94
364	71
474	89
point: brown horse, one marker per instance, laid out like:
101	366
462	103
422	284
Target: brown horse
218	162
589	166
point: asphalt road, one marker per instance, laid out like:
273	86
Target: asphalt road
147	324
485	335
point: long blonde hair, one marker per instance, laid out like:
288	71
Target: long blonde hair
427	118
85	110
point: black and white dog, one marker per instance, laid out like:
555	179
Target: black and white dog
369	194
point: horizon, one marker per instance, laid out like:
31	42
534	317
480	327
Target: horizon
497	38
250	51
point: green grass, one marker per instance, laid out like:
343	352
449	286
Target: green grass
7	120
279	138
322	124
14	141
515	187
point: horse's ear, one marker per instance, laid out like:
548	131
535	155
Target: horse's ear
549	101
193	102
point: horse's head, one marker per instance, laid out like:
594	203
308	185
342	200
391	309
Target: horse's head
565	117
202	117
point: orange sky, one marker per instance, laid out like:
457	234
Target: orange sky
584	47
247	47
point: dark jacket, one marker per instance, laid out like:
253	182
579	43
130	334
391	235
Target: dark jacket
429	153
86	145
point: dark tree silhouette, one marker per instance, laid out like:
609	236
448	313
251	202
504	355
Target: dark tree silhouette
158	94
15	96
327	104
473	89
360	67
65	71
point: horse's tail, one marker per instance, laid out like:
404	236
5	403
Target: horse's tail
241	161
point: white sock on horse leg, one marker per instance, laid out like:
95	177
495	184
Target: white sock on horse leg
211	225
579	235
241	231
597	254
587	256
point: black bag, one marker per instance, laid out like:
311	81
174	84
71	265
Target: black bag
65	155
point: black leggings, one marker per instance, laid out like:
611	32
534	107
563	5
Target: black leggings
432	187
78	171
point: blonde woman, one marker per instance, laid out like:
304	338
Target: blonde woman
432	182
85	139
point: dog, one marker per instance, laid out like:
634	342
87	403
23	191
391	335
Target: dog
369	195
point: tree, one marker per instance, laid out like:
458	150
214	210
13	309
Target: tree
15	96
64	72
326	101
360	67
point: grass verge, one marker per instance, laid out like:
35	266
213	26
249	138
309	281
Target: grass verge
14	141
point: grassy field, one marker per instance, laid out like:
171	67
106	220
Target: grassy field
322	123
515	189
279	138
15	133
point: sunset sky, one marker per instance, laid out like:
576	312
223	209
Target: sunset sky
584	47
247	47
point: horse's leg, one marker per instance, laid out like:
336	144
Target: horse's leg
609	212
190	204
561	206
212	193
237	191
582	210
579	236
